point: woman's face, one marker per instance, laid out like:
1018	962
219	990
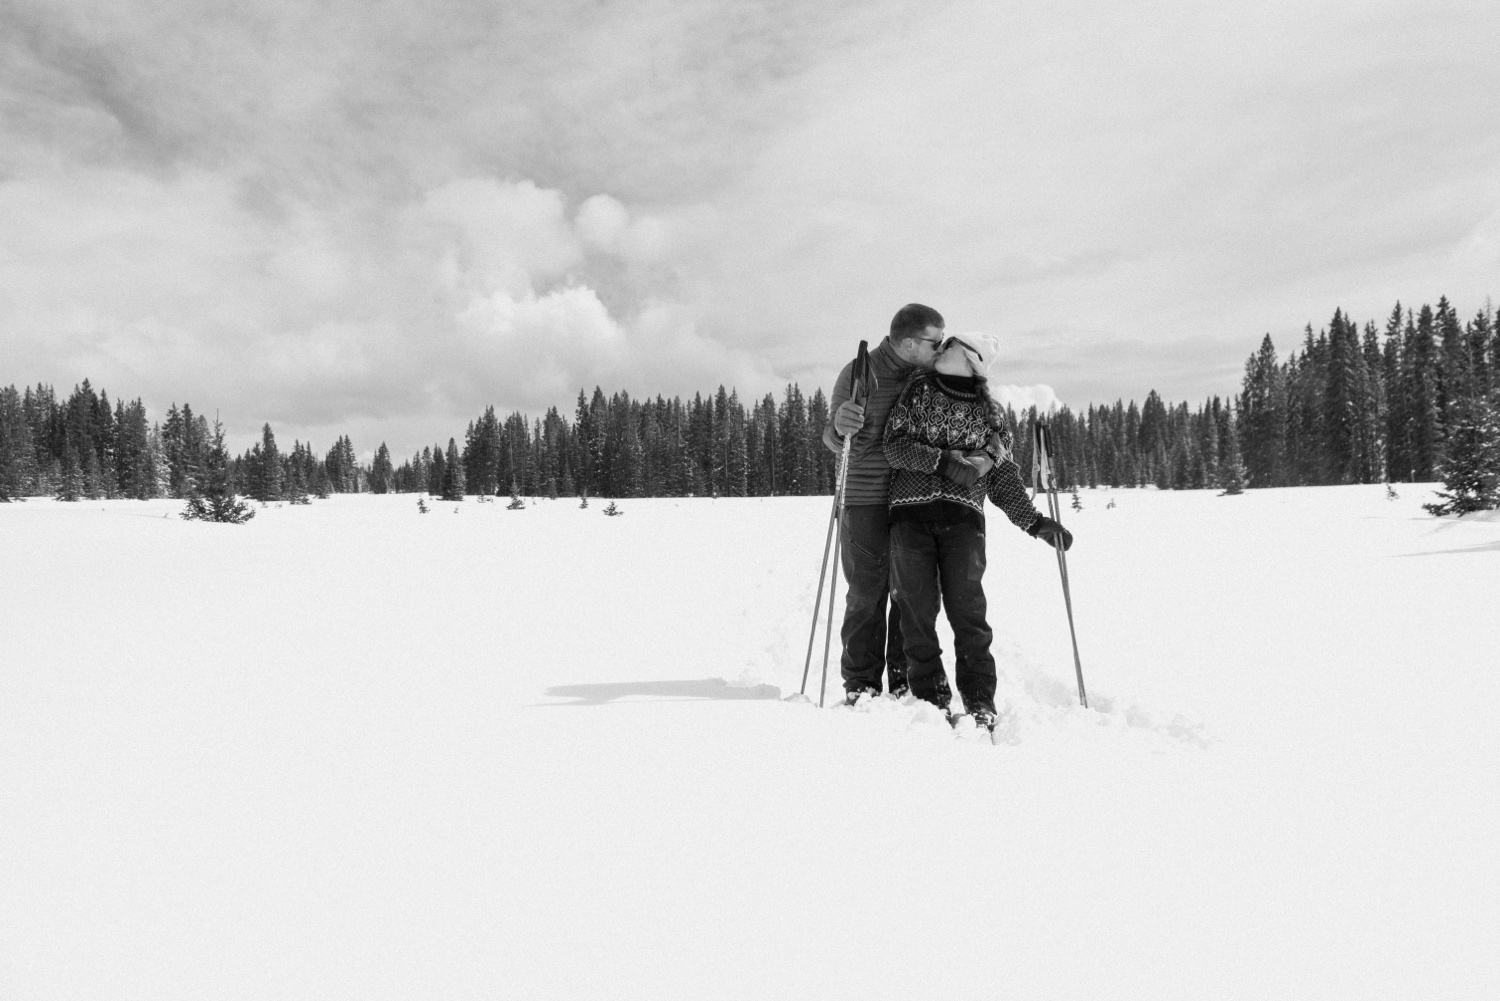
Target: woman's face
954	360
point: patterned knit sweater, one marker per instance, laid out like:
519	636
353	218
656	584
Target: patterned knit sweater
934	414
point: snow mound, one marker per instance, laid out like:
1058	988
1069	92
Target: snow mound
1031	702
1032	706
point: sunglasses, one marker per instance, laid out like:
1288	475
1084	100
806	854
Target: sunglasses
975	362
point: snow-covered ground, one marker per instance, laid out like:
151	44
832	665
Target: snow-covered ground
351	751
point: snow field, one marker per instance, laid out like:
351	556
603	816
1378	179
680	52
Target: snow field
353	751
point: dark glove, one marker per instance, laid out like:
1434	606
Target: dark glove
1049	531
958	470
981	462
848	418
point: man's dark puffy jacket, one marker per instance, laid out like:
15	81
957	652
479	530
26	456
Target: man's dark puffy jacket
869	480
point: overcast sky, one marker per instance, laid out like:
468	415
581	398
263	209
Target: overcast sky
377	218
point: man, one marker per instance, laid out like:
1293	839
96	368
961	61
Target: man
870	645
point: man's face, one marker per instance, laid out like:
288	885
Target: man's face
922	350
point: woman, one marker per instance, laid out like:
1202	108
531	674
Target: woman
949	447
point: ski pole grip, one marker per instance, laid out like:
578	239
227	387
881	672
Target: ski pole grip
859	374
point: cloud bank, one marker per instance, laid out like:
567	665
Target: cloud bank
378	218
469	293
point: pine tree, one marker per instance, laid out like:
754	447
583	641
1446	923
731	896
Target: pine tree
1477	335
597	444
453	474
161	470
622	458
1342	399
1454	373
794	474
195	443
1421	377
1206	475
18	466
296	474
342	467
133	458
1494	346
1371	409
70	486
263	468
1397	406
319	484
216	501
583	466
437	472
482	449
736	465
1232	469
1471	466
93	479
824	464
1262	407
1182	462
381	473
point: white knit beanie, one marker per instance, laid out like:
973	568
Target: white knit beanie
985	346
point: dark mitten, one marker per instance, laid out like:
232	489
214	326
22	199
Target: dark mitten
958	471
1049	531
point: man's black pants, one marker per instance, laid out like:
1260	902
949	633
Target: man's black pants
943	557
871	638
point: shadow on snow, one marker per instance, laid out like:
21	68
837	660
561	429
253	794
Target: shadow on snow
1484	547
705	688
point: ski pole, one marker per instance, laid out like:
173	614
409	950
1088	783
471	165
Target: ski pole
860	379
1044	480
833	521
833	584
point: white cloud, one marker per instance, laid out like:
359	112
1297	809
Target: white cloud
1481	250
495	236
472	293
539	349
1024	397
600	221
605	225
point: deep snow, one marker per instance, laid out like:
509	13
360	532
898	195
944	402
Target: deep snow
351	751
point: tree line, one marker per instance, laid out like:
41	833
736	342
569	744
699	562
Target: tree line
1366	405
82	446
619	446
1356	404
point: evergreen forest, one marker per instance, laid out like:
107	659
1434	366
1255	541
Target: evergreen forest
1412	399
